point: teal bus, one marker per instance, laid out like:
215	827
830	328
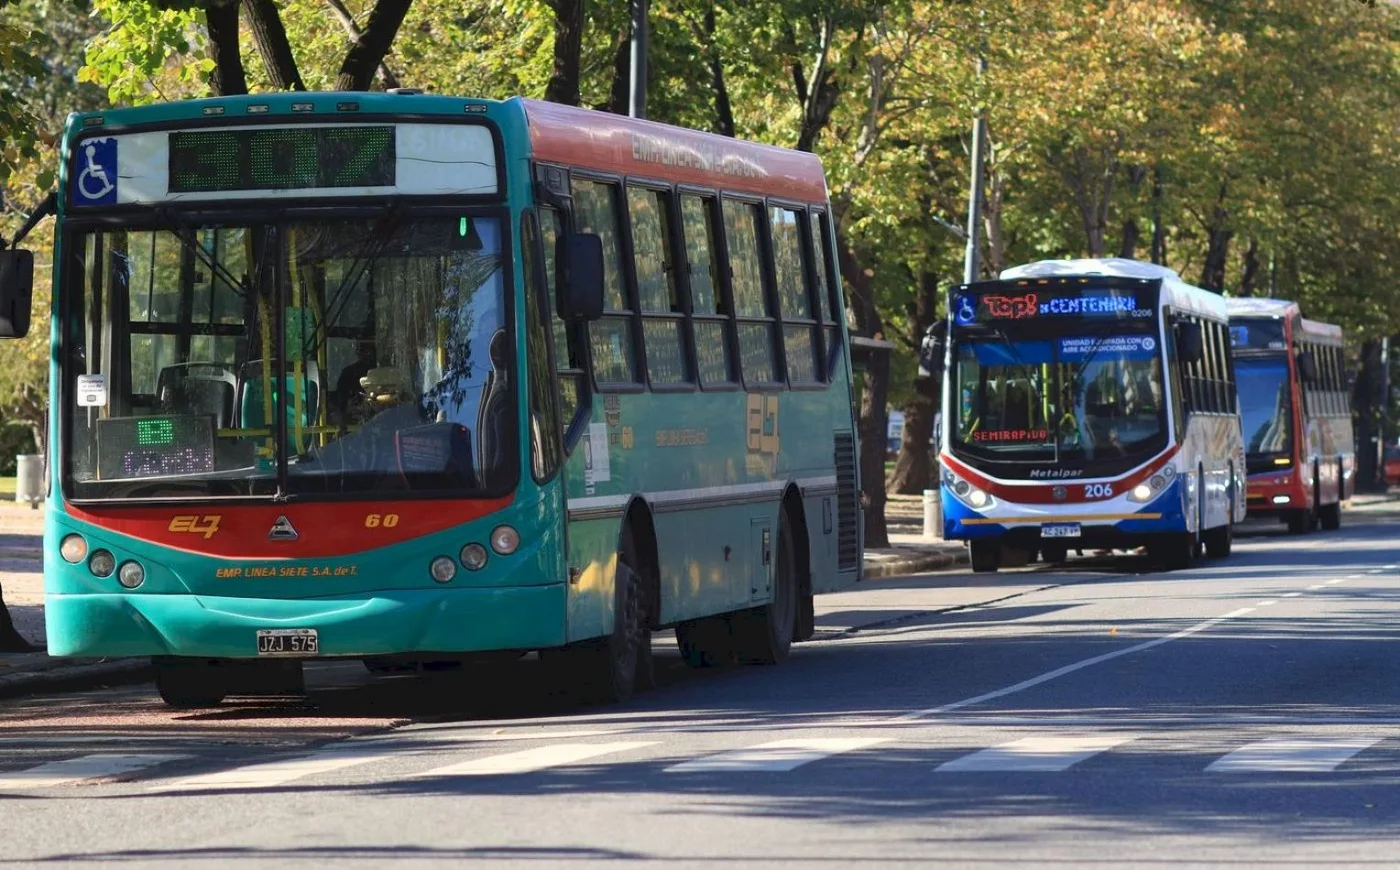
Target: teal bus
416	379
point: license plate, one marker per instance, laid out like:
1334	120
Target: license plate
288	642
1060	530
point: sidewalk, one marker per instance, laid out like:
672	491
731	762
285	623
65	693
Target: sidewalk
22	581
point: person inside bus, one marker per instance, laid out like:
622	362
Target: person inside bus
494	429
347	387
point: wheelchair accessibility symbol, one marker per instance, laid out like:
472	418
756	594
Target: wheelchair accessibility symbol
966	310
96	183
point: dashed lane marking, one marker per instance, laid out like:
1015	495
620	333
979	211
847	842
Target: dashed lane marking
71	771
1292	755
1041	754
777	756
531	760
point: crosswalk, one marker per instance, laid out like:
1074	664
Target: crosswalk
368	762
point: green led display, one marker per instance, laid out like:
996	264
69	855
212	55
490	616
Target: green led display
280	158
155	433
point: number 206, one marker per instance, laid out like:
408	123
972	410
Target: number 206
1098	490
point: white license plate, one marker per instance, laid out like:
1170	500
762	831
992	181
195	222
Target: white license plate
288	642
1060	530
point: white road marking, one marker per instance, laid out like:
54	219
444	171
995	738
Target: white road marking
1292	754
777	756
1267	603
1376	571
1291	594
1336	581
83	767
273	773
1035	754
1317	586
531	760
426	739
1071	668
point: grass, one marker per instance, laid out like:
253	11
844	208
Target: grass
7	486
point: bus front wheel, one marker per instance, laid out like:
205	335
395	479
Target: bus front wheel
985	556
1175	552
189	684
1300	520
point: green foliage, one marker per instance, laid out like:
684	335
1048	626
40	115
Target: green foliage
145	54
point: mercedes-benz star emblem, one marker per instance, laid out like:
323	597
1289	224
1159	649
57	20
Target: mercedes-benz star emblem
1059	493
282	530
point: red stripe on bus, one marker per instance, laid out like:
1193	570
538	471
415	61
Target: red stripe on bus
1044	493
322	529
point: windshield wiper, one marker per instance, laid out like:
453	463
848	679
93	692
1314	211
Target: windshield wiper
380	236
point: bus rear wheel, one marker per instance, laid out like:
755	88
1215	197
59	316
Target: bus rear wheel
1175	551
707	642
985	556
1331	516
763	635
189	684
1299	521
1220	541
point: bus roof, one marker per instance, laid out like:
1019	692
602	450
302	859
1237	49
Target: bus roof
1252	307
1312	330
590	139
1175	291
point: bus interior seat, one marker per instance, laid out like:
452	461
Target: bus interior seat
251	414
197	388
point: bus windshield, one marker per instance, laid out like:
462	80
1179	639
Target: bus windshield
1265	404
318	356
1086	399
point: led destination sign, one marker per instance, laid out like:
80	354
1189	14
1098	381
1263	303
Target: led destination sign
281	158
1023	304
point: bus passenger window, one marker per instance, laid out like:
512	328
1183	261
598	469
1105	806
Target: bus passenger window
655	267
596	211
799	321
741	220
709	313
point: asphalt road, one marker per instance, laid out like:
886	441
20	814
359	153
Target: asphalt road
1242	713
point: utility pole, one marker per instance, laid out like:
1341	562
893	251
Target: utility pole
972	264
637	91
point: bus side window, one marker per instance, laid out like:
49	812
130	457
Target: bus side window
709	313
741	225
654	262
596	211
824	285
800	331
544	416
568	350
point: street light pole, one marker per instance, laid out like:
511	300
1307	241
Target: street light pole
972	264
637	91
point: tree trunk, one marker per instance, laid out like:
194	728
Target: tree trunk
352	30
724	110
620	94
1132	233
271	39
873	424
1250	275
1159	230
1218	236
993	199
227	77
363	59
1368	412
913	469
817	90
563	85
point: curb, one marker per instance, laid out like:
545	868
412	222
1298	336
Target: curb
104	672
914	564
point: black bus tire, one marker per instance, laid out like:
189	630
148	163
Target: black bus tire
763	635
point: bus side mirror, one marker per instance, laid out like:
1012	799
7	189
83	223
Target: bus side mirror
584	291
931	350
1307	366
1190	345
16	292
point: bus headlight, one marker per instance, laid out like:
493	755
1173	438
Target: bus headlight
102	563
966	492
443	569
74	549
1148	489
473	557
977	498
131	575
505	540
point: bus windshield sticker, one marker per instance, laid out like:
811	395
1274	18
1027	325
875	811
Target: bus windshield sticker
598	452
1077	348
92	391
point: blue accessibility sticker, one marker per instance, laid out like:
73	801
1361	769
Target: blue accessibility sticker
96	181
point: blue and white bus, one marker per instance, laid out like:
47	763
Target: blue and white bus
1089	404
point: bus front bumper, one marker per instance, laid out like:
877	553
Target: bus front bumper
353	626
1125	527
